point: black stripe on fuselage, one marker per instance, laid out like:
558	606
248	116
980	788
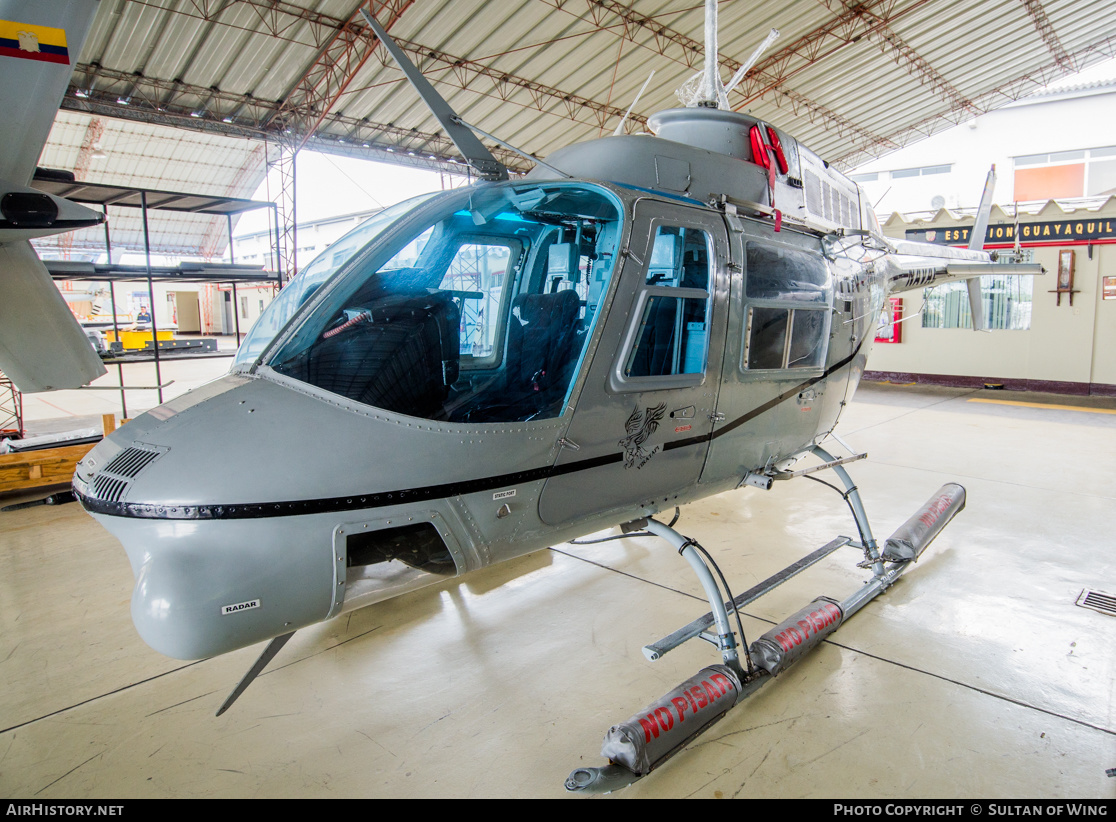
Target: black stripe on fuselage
356	502
767	406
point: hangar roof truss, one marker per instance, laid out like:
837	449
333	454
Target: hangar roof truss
852	80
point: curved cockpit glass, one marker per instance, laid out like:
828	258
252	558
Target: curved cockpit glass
481	313
300	289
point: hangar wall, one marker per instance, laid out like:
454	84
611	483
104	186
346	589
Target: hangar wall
1067	349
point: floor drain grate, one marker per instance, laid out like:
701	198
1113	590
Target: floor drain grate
1098	601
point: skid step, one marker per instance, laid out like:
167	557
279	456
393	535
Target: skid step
656	649
813	469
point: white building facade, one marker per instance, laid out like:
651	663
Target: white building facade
1055	157
1055	145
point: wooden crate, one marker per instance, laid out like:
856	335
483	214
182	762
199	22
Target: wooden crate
49	466
35	469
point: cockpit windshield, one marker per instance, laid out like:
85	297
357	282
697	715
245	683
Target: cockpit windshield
481	314
299	290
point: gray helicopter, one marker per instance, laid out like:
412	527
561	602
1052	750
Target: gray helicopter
640	322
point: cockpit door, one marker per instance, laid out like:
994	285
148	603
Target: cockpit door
640	431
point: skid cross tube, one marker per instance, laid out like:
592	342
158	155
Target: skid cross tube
655	650
685	546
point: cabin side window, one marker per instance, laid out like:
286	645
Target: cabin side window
673	306
787	326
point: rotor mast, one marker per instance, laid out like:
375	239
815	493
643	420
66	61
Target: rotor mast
710	91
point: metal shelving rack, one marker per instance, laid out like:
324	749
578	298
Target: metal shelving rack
104	195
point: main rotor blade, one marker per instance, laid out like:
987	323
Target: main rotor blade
472	149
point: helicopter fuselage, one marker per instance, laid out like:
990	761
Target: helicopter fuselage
562	356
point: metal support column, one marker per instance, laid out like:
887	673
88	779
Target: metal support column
11	409
275	247
115	324
236	307
151	294
236	315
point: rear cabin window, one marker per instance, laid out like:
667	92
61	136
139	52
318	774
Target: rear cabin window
788	291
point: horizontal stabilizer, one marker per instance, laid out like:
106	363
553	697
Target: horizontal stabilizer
42	346
965	271
921	265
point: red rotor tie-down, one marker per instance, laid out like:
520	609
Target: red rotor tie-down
760	155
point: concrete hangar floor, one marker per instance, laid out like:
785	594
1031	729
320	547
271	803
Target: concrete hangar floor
975	676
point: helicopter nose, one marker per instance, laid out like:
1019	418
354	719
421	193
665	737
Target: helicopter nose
264	546
205	588
212	574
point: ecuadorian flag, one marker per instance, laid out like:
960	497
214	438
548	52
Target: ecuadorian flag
33	42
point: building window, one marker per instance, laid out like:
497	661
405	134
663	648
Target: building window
1006	299
923	171
1084	173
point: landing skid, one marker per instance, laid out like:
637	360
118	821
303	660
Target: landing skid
645	741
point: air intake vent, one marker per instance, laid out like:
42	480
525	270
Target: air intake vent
109	489
1098	601
129	462
825	201
110	483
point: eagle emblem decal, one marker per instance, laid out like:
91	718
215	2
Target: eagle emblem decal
640	426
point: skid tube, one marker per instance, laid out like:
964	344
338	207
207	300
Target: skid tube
646	740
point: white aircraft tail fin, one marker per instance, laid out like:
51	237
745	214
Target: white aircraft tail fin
914	265
42	347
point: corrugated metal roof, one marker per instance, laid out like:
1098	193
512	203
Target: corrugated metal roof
852	81
141	155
